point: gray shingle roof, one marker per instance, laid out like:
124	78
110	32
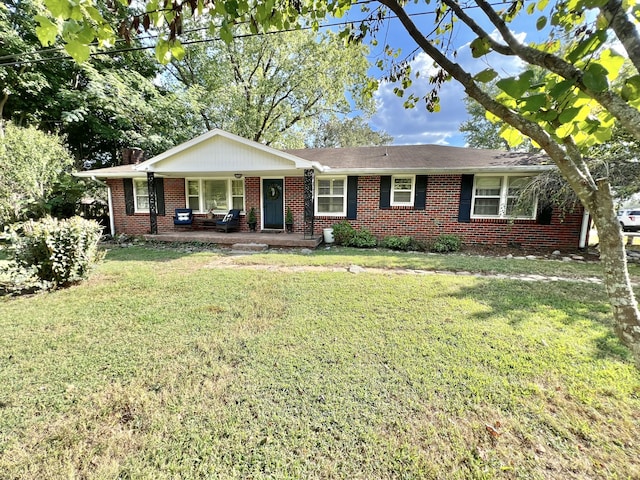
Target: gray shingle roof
435	158
415	159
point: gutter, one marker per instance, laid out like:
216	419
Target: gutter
436	171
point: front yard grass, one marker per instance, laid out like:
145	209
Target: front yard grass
164	366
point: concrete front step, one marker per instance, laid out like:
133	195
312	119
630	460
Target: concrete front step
249	247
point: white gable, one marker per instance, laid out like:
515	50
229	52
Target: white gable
221	152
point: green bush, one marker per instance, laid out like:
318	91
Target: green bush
446	243
400	243
56	252
345	234
363	239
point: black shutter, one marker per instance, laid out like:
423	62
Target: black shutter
466	193
159	196
544	214
385	192
420	200
129	204
352	198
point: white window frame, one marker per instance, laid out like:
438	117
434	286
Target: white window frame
230	195
393	190
135	182
317	195
504	195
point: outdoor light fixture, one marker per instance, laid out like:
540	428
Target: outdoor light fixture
237	175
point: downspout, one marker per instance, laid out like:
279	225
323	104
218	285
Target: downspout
584	229
112	222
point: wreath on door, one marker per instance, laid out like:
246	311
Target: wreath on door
273	191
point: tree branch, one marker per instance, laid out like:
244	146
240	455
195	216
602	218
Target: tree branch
621	110
467	20
581	184
626	31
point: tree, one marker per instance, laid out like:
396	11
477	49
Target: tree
99	107
271	89
478	131
110	106
348	132
31	163
571	108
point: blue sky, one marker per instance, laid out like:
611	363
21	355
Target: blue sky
418	126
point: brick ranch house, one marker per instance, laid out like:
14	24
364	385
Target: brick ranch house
417	190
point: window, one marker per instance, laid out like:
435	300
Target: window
237	194
193	195
499	196
402	191
331	196
204	195
141	195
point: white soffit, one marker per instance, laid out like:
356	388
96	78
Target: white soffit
219	152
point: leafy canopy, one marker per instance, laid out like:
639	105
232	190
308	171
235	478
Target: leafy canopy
31	162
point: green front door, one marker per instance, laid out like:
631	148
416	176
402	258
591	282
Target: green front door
273	203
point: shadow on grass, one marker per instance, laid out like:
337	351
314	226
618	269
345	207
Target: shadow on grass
583	308
150	252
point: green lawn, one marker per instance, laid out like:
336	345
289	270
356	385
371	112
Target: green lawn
164	365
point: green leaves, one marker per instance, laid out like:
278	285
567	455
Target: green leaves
480	47
59	8
595	78
533	103
631	89
486	75
516	87
47	31
79	51
588	46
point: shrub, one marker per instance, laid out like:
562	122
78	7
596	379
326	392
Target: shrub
400	243
345	234
57	252
363	239
446	243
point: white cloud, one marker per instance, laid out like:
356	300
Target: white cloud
419	125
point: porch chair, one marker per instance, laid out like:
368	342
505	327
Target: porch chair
230	221
183	217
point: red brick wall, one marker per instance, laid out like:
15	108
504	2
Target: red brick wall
138	223
294	199
440	215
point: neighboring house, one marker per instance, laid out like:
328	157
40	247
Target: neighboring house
417	190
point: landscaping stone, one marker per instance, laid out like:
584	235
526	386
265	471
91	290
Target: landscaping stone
356	269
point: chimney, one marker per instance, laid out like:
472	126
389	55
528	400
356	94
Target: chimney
132	156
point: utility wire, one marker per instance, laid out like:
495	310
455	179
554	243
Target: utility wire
193	42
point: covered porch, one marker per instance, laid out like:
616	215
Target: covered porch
270	239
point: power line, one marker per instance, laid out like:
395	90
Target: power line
193	42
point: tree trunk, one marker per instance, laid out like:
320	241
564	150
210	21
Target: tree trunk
595	196
616	277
